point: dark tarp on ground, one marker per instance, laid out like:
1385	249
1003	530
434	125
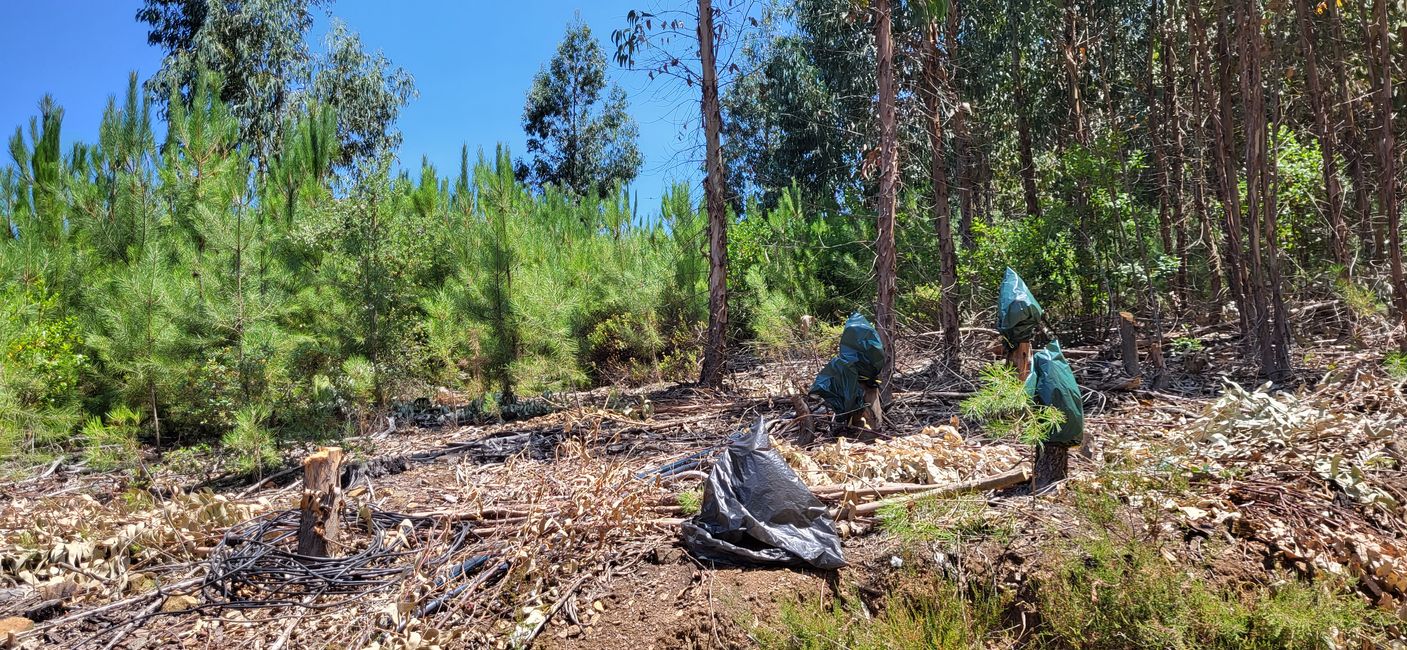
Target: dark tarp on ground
757	511
1052	383
1018	313
841	382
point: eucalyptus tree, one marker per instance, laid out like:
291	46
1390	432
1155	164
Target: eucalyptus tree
649	43
366	92
258	48
578	140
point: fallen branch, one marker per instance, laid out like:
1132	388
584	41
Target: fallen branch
1000	481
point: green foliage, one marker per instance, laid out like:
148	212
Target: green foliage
576	141
1185	345
251	442
933	519
112	444
367	94
922	613
1120	593
1008	410
1396	365
690	501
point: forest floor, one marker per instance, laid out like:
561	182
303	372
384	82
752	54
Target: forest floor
1282	514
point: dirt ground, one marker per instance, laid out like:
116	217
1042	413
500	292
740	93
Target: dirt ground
582	544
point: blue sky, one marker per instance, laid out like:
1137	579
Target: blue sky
472	60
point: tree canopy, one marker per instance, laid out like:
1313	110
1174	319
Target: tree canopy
578	140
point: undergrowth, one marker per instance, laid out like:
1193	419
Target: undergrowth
1098	584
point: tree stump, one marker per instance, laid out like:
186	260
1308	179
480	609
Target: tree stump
320	523
872	415
1020	359
805	428
1052	464
1128	343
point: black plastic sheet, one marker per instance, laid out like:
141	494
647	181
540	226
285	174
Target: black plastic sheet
1052	383
757	511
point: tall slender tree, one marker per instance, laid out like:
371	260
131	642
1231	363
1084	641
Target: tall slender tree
578	139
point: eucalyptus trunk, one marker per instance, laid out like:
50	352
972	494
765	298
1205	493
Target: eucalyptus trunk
715	346
885	261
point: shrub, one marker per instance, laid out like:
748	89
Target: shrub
114	444
251	441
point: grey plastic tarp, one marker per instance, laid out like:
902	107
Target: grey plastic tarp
1018	313
757	511
840	384
1052	383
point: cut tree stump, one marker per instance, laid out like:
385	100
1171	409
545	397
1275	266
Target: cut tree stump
1020	359
1128	343
321	520
872	416
805	429
1052	465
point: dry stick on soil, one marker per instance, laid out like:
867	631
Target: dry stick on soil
155	593
566	595
320	524
1014	477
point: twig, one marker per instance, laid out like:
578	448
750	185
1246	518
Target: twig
1014	477
527	641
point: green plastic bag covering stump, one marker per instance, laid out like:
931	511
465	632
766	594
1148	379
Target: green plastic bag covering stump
1018	313
860	345
1052	383
840	384
756	510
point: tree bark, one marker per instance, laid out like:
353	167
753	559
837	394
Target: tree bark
1271	331
1172	142
1338	232
320	522
1225	131
1023	133
1387	158
962	132
1200	110
1128	344
934	73
715	351
1353	138
885	253
1052	464
1019	358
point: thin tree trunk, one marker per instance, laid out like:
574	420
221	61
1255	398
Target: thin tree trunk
1155	134
885	261
1253	123
963	136
1387	158
1023	135
942	220
1374	57
1353	137
1071	56
1338	232
1200	109
1225	130
1172	123
711	373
